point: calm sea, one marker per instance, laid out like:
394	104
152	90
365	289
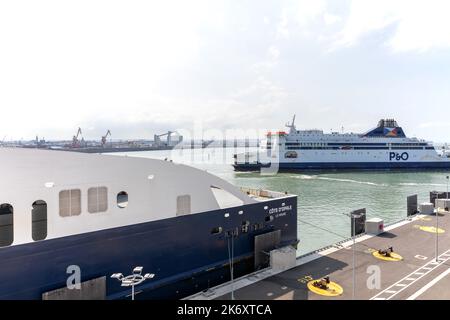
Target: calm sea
323	197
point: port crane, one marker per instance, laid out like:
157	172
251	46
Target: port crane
108	133
75	142
168	143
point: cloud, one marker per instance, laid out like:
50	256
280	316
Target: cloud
299	14
63	63
434	124
141	67
330	19
308	10
417	25
274	53
414	25
282	27
269	62
422	26
366	17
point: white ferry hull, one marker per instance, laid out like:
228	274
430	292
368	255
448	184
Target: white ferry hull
385	147
343	165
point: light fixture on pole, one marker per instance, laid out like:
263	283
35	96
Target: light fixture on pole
437	227
357	214
354	216
446	195
136	278
231	235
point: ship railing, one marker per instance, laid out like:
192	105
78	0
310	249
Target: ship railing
264	194
339	244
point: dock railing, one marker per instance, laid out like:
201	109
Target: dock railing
261	193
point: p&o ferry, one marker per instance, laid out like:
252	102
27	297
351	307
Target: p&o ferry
384	147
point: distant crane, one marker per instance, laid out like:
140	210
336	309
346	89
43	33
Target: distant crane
108	133
75	142
158	142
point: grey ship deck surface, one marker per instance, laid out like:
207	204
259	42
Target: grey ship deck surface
415	277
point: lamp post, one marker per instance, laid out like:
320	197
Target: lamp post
231	234
354	217
446	195
437	229
232	267
136	278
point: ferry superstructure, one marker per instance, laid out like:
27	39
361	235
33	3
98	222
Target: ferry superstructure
384	147
66	216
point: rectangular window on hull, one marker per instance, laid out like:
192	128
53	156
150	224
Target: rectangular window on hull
97	199
6	224
39	220
70	203
183	205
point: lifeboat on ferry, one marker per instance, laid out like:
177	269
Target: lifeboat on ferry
278	133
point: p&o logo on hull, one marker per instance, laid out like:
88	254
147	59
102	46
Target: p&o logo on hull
398	156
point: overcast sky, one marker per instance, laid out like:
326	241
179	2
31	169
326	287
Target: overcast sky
140	67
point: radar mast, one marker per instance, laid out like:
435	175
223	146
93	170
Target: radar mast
291	126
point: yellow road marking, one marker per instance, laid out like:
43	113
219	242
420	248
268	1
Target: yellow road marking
431	229
333	289
394	256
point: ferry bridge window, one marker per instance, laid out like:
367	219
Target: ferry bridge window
6	225
122	199
97	199
39	220
70	203
183	205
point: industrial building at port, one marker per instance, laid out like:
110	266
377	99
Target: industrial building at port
106	143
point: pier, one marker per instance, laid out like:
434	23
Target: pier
416	275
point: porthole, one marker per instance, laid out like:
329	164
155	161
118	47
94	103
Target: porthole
122	199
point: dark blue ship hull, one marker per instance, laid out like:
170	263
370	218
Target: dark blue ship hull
345	166
183	253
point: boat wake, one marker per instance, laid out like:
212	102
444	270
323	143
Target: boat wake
308	177
412	184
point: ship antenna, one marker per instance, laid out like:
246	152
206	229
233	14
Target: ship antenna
292	125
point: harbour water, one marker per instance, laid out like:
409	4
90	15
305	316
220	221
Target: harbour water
324	198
